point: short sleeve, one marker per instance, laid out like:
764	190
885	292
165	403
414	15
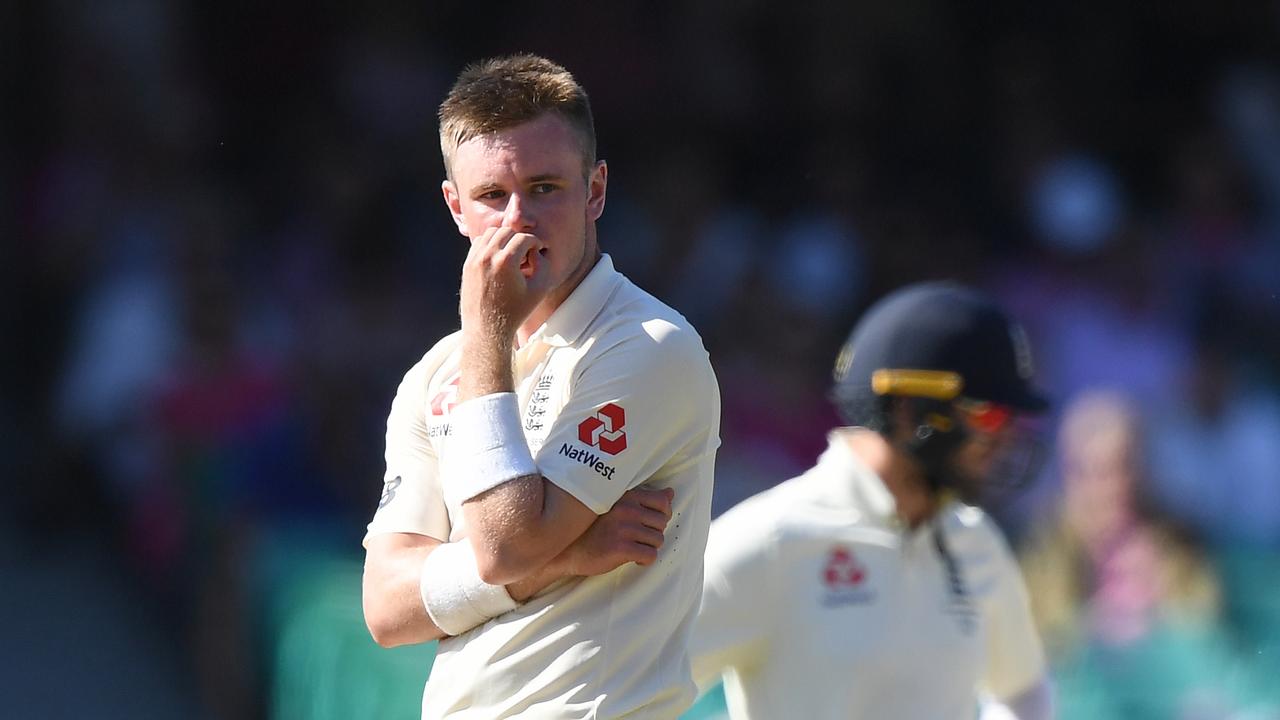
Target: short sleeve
645	407
1015	656
733	626
412	501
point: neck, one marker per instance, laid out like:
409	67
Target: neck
902	475
535	320
556	297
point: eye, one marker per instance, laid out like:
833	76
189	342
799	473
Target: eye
985	416
543	188
491	195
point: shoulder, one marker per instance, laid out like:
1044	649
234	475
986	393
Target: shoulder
423	378
742	542
442	350
772	518
639	342
645	325
763	537
977	541
973	526
424	370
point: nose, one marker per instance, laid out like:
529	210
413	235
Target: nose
518	215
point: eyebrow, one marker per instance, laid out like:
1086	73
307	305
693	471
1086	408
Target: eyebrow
490	186
484	188
544	178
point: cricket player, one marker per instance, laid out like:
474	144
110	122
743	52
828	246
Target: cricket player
866	587
547	495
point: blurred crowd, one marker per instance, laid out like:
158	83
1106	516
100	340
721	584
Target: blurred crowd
228	245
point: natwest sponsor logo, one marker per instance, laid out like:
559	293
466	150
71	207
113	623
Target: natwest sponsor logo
604	429
444	400
845	579
588	458
843	569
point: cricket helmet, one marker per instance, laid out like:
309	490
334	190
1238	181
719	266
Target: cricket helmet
937	345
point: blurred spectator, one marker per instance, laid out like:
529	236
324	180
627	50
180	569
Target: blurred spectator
1109	316
1128	607
1075	205
227	462
1216	457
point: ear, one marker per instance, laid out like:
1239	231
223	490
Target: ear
596	184
454	202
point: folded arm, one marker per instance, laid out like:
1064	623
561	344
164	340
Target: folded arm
520	526
393	608
396	614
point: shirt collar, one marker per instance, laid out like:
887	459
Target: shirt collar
858	484
570	320
861	487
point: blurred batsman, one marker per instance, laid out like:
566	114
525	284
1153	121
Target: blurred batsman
547	494
868	587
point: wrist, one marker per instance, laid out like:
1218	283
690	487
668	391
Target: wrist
488	447
491	334
454	595
560	565
531	586
486	361
522	590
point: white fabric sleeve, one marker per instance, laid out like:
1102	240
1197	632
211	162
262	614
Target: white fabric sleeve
1015	656
412	500
739	606
638	407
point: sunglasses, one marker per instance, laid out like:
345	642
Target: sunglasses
987	417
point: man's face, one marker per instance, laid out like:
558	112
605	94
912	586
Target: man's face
999	451
977	457
529	178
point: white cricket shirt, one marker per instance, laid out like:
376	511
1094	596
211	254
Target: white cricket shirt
615	391
817	603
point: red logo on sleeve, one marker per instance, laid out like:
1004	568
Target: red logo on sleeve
444	400
604	429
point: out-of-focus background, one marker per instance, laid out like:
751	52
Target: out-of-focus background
224	244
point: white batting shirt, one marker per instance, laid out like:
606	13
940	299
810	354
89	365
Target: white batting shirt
817	603
615	391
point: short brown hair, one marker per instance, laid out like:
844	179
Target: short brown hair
501	93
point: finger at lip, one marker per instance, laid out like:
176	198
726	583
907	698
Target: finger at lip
486	238
518	246
493	240
506	238
515	255
531	260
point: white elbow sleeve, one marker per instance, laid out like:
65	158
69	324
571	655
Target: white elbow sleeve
453	593
487	447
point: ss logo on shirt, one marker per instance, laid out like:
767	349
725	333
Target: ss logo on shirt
389	491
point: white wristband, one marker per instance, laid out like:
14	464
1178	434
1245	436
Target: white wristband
486	448
453	593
